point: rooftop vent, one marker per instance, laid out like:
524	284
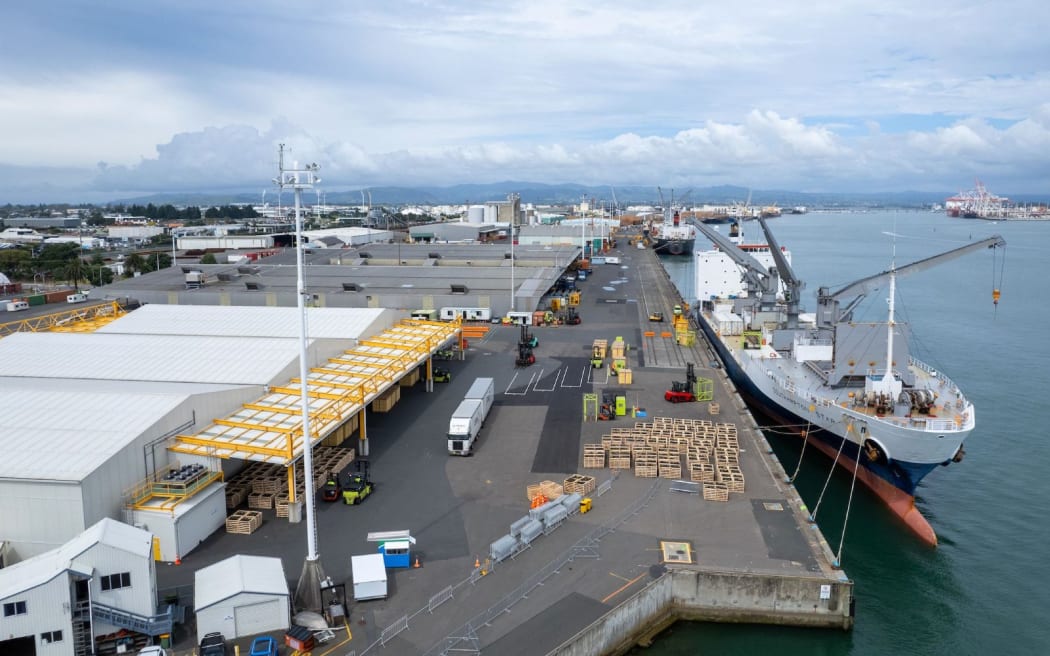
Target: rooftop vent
459	289
352	287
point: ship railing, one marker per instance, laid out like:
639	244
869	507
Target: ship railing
945	383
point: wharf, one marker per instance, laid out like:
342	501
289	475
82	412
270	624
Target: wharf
601	582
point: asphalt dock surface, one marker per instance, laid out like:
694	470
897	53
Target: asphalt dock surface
456	507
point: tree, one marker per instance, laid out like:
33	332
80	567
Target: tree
208	258
99	272
134	263
74	272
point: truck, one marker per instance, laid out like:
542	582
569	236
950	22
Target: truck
469	417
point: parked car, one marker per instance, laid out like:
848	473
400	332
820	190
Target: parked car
213	644
153	650
263	646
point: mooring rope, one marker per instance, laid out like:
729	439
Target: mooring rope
805	439
813	515
849	503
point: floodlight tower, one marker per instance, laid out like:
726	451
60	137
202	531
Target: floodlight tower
308	592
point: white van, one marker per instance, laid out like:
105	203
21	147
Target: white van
78	297
612	260
16	306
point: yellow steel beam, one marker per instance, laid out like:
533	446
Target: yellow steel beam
284	410
266	428
309	392
63	318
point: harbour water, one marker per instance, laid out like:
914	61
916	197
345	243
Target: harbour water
986	588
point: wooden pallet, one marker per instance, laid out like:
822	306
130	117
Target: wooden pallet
716	492
731	476
646	464
244	522
593	456
280	504
712	408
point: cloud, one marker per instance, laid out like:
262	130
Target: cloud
828	94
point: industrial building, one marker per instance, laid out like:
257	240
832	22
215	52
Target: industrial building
81	594
397	276
98	424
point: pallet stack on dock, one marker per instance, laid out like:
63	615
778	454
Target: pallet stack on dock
244	521
387	400
711	451
265	486
579	484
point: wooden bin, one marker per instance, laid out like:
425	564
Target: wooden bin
243	521
260	500
625	376
593	456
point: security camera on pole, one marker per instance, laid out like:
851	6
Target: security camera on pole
308	592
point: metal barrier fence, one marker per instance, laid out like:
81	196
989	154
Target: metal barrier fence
465	638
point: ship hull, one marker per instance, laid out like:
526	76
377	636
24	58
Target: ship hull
673	246
893	482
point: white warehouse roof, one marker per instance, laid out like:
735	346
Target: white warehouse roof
175	358
237	574
252	321
28	574
62	430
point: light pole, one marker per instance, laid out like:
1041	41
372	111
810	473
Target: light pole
512	240
307	593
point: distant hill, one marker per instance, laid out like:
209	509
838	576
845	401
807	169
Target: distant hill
563	194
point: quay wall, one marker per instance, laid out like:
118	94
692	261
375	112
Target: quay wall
689	594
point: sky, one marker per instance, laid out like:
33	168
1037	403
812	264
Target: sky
102	99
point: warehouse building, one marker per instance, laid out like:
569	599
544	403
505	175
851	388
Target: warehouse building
396	276
87	593
89	417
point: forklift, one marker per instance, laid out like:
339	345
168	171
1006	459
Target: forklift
682	392
596	358
572	318
358	486
527	338
525	357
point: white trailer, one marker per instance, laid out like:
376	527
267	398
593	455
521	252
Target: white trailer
484	390
369	574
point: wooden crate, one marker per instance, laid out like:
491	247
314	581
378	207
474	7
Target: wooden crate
579	484
551	490
670	467
280	504
716	492
726	456
244	522
409	379
602	346
624	376
593	456
731	476
702	472
235	496
260	500
712	408
619	457
532	491
645	464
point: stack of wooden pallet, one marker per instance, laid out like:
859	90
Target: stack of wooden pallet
716	492
646	464
593	456
386	401
619	457
579	484
243	521
550	489
670	461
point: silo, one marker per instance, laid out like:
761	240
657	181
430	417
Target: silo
476	214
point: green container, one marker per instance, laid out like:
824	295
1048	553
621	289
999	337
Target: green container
37	299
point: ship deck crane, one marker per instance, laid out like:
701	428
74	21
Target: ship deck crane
829	313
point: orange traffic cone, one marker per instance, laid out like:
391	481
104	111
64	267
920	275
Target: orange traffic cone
417	565
477	563
178	561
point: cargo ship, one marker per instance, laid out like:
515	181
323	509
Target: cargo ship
852	389
673	237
